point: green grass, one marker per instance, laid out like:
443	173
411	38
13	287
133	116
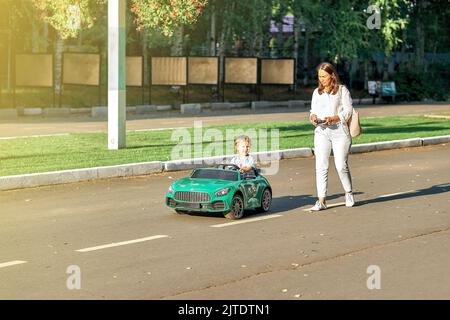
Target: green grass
41	154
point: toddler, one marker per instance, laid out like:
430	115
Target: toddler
243	160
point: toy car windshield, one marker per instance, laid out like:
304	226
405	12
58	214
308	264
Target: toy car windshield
215	174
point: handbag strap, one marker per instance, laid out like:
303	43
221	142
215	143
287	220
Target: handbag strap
340	99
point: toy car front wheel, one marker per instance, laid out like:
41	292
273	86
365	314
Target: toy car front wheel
179	211
237	208
266	201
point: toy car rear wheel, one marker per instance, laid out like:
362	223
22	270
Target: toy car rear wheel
237	208
266	201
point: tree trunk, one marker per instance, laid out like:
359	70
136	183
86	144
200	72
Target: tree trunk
11	45
59	48
404	36
261	49
212	45
279	38
433	58
366	74
306	58
253	50
46	37
177	47
296	46
420	34
145	58
350	72
34	37
385	68
221	51
222	42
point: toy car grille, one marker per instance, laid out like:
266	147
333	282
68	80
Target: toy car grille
189	196
219	205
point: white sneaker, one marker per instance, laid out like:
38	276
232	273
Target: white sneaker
318	206
349	200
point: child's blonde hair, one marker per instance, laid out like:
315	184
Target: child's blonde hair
242	138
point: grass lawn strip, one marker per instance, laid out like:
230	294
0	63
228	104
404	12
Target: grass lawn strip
75	151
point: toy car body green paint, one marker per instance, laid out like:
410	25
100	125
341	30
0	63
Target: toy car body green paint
222	190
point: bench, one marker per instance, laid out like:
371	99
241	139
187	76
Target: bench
386	90
389	91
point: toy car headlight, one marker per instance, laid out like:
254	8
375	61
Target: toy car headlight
170	189
222	192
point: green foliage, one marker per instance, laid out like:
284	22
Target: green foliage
394	15
433	84
60	14
343	30
166	15
327	29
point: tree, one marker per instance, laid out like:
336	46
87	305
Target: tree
69	16
306	15
166	15
394	19
342	31
427	19
394	15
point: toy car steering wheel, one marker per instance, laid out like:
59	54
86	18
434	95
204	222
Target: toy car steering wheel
228	165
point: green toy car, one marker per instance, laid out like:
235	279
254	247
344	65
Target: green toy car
222	189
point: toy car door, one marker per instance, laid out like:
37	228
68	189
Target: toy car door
251	190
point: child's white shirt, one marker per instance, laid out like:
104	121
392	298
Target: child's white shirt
243	162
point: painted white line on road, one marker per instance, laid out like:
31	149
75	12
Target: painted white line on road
35	136
245	221
338	204
117	244
11	263
382	196
396	194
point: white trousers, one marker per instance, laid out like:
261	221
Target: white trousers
325	139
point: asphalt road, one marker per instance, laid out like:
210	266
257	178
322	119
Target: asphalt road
401	225
37	125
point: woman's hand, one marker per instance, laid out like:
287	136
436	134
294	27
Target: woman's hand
312	119
331	120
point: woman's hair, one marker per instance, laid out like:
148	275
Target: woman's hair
335	81
243	138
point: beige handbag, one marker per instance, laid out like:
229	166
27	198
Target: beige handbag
354	127
353	124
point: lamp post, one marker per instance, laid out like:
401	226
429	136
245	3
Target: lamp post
116	74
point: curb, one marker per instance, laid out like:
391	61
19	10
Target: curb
101	112
435	140
78	175
144	168
386	145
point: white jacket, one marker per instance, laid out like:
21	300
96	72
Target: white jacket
341	104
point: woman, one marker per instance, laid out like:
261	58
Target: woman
331	108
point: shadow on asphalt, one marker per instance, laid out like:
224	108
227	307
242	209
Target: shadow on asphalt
440	188
287	203
281	204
